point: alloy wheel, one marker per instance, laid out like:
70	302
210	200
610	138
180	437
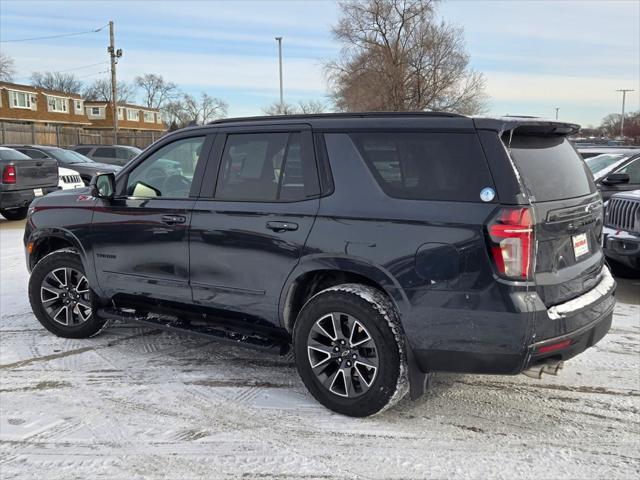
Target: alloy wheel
342	354
65	296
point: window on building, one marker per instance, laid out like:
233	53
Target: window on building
57	104
20	99
148	117
120	113
78	106
95	112
133	115
158	118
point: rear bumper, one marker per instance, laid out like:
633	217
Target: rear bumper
622	246
20	198
579	323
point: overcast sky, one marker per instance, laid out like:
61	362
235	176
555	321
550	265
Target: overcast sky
536	55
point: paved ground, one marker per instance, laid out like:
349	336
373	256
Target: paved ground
135	403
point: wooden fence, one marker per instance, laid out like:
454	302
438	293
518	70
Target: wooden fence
33	134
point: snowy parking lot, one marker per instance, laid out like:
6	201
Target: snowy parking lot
139	403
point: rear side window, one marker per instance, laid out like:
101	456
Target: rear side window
426	165
550	167
83	150
105	153
267	167
10	154
33	153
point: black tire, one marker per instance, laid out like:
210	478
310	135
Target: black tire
375	313
15	213
81	323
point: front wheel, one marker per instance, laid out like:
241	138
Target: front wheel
61	297
15	213
349	350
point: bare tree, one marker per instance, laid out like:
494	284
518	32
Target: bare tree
312	106
188	110
397	56
7	68
63	82
277	108
156	90
100	91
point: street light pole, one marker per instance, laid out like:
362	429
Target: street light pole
114	55
624	97
279	40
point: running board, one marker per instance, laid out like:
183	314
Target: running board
207	330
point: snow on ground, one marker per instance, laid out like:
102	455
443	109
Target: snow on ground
137	403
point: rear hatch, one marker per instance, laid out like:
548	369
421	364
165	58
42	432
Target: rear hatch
567	214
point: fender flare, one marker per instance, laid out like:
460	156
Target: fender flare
348	264
43	234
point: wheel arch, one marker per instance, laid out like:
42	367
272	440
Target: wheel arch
320	272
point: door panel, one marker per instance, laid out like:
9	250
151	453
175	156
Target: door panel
141	239
247	239
238	262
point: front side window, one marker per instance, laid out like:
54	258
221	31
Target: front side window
426	165
168	172
105	152
267	167
633	170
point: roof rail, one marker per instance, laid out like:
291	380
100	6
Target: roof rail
335	115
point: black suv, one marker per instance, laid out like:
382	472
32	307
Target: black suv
381	246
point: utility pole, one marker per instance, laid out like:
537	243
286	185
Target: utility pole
279	40
557	108
115	55
624	97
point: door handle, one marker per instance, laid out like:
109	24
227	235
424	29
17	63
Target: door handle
173	219
282	226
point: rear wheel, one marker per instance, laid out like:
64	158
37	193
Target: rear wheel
15	213
61	297
349	350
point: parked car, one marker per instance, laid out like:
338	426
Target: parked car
383	247
69	179
86	167
111	154
588	152
23	179
622	233
616	172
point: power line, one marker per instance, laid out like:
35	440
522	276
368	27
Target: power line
53	36
70	69
92	74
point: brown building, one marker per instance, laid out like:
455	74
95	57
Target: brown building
130	117
27	104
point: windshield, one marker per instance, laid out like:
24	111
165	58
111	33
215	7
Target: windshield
68	156
602	164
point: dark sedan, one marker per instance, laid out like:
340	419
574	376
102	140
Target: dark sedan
616	172
86	167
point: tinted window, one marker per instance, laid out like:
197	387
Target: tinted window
167	172
83	150
10	154
426	166
633	170
550	167
105	152
601	162
33	153
125	153
266	167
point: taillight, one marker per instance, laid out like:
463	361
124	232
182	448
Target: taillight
9	174
512	241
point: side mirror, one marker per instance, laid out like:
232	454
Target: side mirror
616	179
103	185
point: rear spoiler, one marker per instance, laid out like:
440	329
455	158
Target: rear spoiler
526	125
